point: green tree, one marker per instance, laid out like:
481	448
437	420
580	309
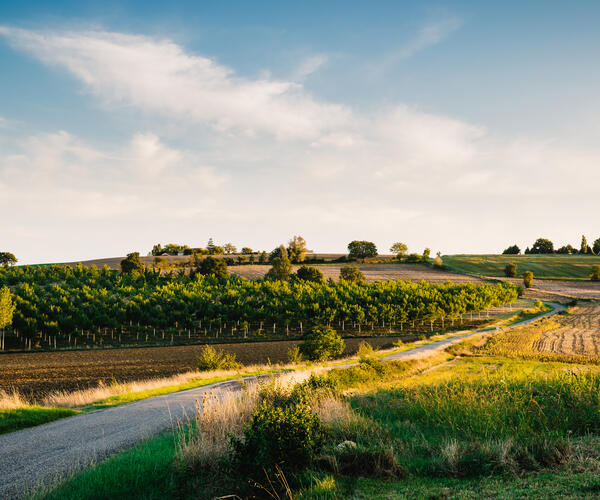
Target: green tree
322	343
426	254
212	266
595	274
247	250
132	263
361	250
7	307
297	249
310	273
7	259
527	279
437	262
512	250
399	249
542	246
584	246
229	248
510	271
566	250
263	258
157	249
281	266
596	247
352	273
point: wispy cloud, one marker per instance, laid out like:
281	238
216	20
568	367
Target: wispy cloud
157	75
309	66
429	35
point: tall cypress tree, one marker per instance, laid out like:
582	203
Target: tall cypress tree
584	245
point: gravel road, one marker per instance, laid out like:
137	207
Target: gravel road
49	452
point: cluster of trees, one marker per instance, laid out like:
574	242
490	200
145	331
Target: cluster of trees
545	246
7	259
62	300
211	249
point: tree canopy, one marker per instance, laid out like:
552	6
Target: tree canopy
512	250
7	307
361	249
352	273
132	263
399	249
542	246
297	249
281	265
213	266
7	259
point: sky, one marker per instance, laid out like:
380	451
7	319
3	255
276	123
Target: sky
460	126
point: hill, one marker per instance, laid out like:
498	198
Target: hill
542	266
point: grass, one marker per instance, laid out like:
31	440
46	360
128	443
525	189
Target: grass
21	418
542	266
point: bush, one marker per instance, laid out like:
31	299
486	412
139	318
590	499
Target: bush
512	250
322	343
132	263
352	273
309	273
216	359
214	267
595	275
294	355
527	279
413	258
365	351
277	436
510	271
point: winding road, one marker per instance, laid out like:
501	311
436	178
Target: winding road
50	452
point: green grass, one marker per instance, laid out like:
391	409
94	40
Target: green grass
20	418
147	471
542	266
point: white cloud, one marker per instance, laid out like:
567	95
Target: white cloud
157	75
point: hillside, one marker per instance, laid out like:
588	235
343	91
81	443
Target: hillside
542	266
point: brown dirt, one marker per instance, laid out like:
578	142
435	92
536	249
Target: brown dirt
36	374
372	272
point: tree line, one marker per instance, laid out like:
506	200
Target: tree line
546	246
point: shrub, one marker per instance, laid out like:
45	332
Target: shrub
512	250
277	436
294	355
214	267
527	279
438	262
322	343
216	359
132	263
352	273
595	275
510	271
309	273
365	351
413	258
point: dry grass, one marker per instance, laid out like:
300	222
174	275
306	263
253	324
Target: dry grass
218	418
12	400
573	337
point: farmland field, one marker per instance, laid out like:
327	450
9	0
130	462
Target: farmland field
542	266
372	272
37	373
572	337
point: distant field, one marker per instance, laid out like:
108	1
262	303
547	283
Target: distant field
372	272
542	266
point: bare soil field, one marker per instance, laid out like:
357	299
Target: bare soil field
36	374
560	289
372	272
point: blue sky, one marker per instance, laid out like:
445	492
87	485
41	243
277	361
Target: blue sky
463	126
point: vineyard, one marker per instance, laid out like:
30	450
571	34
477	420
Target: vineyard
62	306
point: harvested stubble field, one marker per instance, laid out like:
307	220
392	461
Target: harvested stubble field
372	272
37	374
572	337
557	290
